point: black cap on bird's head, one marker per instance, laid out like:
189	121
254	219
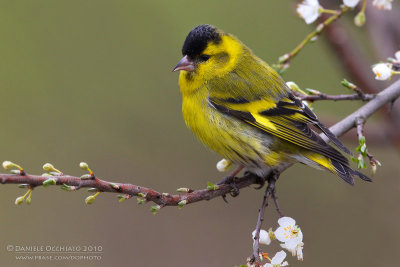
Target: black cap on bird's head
198	38
195	43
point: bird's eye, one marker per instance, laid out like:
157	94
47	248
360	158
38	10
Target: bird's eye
204	58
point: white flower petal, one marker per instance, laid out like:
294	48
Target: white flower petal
299	252
278	258
300	235
285	263
223	165
351	3
397	55
309	10
382	71
264	237
268	265
280	234
292	244
285	221
293	252
383	4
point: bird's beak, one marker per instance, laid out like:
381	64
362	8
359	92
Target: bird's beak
184	64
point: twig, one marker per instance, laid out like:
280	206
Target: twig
360	122
272	178
255	258
284	60
269	191
130	189
384	97
322	96
275	199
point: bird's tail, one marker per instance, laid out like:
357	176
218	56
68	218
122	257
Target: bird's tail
347	173
333	138
342	169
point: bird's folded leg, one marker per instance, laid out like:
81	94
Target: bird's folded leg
230	180
261	181
231	177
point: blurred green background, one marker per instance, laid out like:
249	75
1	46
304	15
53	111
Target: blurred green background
91	81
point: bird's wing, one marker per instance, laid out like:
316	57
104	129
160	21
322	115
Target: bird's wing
288	119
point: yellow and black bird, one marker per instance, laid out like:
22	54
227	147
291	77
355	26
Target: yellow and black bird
238	106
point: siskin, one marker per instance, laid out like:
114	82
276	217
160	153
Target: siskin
238	106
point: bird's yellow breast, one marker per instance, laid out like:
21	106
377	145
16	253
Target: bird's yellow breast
230	138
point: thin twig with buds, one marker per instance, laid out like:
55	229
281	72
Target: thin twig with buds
322	96
269	191
73	183
284	60
360	123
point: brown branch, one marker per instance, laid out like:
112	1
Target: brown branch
130	189
256	246
322	96
272	178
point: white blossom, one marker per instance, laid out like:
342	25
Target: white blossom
264	237
299	252
278	260
291	236
383	71
383	4
223	165
7	164
351	3
292	86
397	56
309	10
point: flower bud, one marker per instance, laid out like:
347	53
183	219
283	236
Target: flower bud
293	86
7	164
19	200
48	167
223	165
182	203
359	19
183	190
83	166
90	199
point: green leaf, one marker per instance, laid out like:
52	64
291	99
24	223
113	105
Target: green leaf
363	149
211	186
155	209
360	163
50	181
361	140
142	195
